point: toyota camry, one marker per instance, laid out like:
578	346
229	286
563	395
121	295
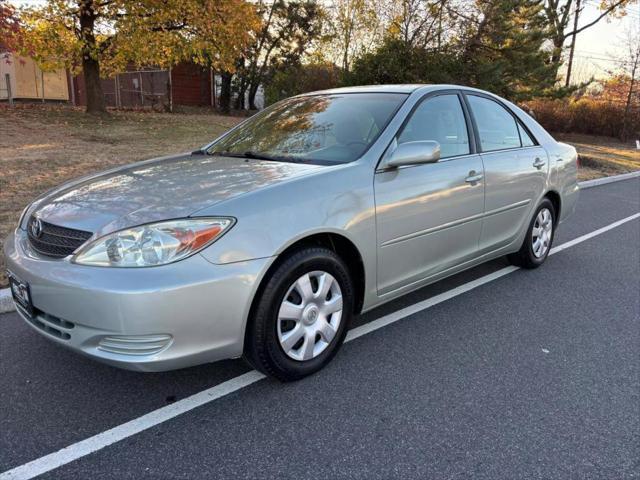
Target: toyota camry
265	243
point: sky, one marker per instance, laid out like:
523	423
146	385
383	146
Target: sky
598	49
598	46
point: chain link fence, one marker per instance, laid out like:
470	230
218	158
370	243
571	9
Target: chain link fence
139	89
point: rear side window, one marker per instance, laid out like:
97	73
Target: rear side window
497	128
441	119
527	141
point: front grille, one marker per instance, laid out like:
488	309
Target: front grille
55	241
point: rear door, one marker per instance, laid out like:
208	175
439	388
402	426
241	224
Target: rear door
429	216
515	170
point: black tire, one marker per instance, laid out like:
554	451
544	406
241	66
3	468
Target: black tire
262	348
525	257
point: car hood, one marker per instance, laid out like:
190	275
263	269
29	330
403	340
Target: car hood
159	189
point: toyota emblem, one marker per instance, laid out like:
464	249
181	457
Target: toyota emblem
36	227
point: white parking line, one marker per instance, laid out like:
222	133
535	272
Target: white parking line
97	442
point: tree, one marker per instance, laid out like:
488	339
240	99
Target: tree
558	15
104	36
289	30
502	49
496	45
289	80
417	23
9	27
355	27
631	67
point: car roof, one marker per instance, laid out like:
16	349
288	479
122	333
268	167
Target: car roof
398	88
541	134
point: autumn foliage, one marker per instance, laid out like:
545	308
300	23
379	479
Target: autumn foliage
9	27
599	112
100	37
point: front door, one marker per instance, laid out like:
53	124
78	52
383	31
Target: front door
429	216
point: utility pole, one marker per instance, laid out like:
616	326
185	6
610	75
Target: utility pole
573	43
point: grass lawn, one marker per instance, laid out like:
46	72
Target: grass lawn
44	145
602	156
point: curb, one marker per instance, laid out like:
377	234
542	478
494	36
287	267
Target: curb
604	180
6	302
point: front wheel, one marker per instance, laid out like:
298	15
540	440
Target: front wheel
301	317
539	237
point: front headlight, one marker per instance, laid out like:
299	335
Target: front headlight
153	244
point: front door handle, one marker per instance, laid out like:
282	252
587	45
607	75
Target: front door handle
539	163
473	177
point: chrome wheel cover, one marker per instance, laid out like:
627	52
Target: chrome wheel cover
541	233
310	315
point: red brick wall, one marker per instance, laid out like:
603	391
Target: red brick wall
191	85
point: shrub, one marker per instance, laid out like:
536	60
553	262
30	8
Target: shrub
290	80
599	113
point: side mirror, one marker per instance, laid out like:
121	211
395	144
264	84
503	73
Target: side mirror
413	153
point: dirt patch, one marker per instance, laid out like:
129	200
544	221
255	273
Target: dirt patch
43	146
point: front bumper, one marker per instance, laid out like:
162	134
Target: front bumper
148	319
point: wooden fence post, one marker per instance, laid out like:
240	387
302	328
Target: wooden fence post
118	98
9	94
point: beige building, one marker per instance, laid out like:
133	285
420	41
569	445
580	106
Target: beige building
27	81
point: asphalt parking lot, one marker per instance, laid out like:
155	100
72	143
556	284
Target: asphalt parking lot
535	374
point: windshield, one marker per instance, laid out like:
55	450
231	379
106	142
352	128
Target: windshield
332	128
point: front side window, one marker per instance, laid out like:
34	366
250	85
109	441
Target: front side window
441	119
497	128
329	129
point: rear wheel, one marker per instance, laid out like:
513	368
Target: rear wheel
301	317
539	238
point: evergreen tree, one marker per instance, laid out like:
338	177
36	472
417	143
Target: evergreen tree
497	45
502	49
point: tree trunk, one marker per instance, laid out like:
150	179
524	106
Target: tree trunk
240	96
90	64
556	54
93	86
225	92
253	90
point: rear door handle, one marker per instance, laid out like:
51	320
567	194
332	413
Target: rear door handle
539	163
473	177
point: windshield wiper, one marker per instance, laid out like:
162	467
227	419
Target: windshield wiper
249	154
255	156
261	156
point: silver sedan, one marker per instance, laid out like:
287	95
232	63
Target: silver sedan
266	242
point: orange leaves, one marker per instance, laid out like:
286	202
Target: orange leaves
140	32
